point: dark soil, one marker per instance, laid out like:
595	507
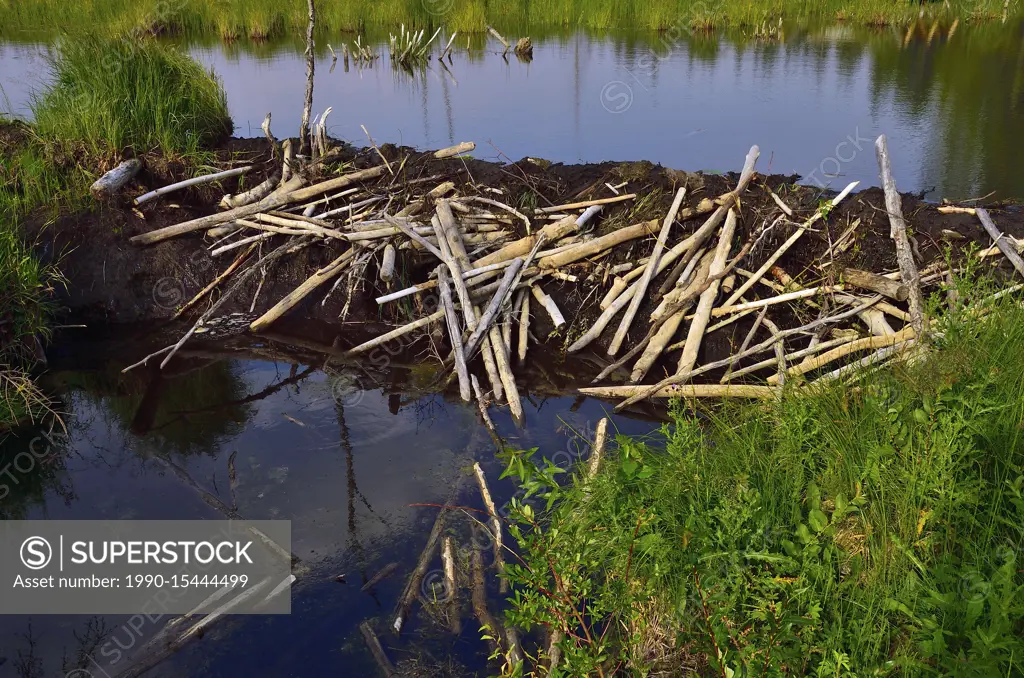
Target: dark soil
113	282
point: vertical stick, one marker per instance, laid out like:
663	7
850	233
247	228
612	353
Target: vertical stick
645	279
524	326
304	147
454	333
707	299
898	232
485	493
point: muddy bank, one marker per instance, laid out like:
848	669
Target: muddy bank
111	281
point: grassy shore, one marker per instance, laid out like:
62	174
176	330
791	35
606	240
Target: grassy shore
109	98
261	19
843	532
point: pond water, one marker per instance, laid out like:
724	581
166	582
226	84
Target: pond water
949	98
340	456
344	456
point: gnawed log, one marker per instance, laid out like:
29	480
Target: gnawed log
876	283
458	149
113	181
684	391
194	181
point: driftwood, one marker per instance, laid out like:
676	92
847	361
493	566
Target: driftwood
524	326
451	586
113	181
300	292
412	587
495	520
454	334
272	202
195	181
379	656
684	391
380	576
695	335
898	233
459	149
645	279
254	194
1008	250
844	350
876	283
549	305
387	265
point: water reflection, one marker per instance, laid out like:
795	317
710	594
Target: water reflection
227	432
951	99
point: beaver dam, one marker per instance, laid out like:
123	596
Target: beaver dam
624	282
695	285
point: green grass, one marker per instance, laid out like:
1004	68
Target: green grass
840	532
111	96
261	19
108	99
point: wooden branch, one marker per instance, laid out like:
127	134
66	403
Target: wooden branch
272	202
459	149
598	245
490	625
254	194
307	107
845	350
387	264
784	247
585	203
684	391
195	181
299	293
495	520
454	333
898	232
216	281
1006	248
412	587
490	364
548	304
648	274
491	312
373	643
524	327
451	585
669	328
113	181
396	333
695	335
518	248
876	283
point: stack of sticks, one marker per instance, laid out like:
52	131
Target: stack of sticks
490	267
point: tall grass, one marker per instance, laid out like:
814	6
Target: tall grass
107	98
266	18
845	531
110	96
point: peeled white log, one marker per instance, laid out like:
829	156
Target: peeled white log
459	149
195	181
454	333
684	391
114	180
549	305
254	194
1008	250
695	334
396	333
387	265
524	327
648	274
898	233
664	335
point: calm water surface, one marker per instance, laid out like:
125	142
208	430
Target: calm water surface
338	455
952	105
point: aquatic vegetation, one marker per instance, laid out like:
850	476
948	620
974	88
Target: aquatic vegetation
874	530
109	96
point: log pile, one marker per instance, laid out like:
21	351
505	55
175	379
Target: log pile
485	274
